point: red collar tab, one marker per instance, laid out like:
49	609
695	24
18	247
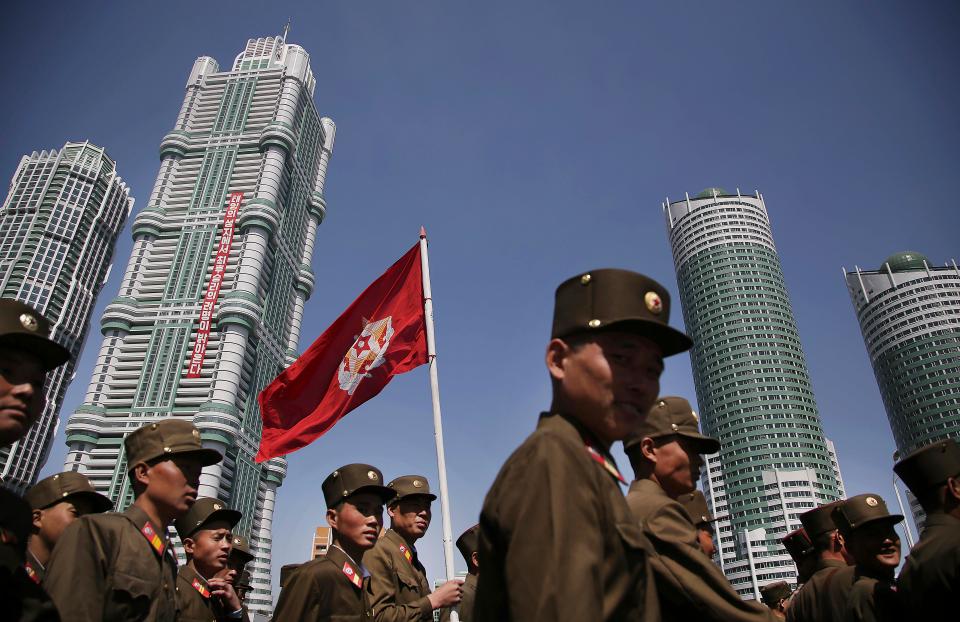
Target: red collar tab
352	575
406	553
31	572
8	537
605	462
153	538
201	587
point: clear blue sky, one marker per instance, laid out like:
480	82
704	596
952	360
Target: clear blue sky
536	140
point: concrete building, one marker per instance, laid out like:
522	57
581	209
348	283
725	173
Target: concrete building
58	228
752	384
909	315
211	303
322	539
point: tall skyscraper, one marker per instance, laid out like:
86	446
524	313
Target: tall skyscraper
210	307
58	227
909	314
752	384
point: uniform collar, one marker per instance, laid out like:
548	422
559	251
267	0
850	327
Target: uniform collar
941	519
153	534
830	563
353	571
568	426
195	580
648	487
35	570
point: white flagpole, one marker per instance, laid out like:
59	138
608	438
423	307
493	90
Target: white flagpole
437	424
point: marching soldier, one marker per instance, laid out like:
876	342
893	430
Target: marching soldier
930	580
26	355
120	566
57	501
803	553
872	542
829	554
398	582
665	452
240	556
696	506
557	541
336	585
467	545
776	595
205	531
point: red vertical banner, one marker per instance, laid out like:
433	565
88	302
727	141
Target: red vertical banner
213	287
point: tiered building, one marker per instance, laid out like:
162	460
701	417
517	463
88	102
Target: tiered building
211	303
58	228
752	384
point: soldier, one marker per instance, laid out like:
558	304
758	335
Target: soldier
467	545
804	555
776	595
57	501
930	580
829	554
872	542
665	452
286	573
240	556
120	566
336	585
557	541
398	582
695	505
242	586
205	531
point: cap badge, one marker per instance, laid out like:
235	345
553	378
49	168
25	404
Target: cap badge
417	483
236	540
695	417
217	506
372	475
196	433
29	322
593	323
585	279
871	502
653	302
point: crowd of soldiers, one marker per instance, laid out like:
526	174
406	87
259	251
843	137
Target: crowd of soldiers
557	537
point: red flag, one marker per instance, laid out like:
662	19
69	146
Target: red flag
380	335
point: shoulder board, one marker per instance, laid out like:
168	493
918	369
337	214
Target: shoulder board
605	462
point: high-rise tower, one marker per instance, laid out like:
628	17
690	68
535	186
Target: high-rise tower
752	384
58	228
210	307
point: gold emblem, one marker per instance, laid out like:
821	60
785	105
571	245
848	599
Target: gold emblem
674	426
196	433
695	417
236	540
871	502
417	483
653	302
217	506
585	279
593	323
29	322
372	475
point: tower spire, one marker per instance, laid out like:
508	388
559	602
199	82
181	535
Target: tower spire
286	29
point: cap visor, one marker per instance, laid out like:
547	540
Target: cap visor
428	495
99	503
50	352
387	494
670	340
705	444
206	456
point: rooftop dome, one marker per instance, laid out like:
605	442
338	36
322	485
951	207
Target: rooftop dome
905	261
709	192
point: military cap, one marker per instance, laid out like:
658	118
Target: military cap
696	506
617	299
409	486
819	520
861	510
242	581
21	327
798	545
672	416
205	511
240	547
167	438
468	543
773	593
929	466
353	478
63	487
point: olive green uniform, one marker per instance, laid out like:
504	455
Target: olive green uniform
806	601
557	541
21	598
930	580
689	585
872	600
195	602
331	587
398	581
465	608
113	567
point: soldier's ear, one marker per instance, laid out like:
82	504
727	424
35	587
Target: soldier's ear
557	351
188	546
37	520
475	559
332	518
953	488
648	448
140	473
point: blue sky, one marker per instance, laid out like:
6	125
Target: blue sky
534	141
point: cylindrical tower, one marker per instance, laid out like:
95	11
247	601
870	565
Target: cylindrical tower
751	380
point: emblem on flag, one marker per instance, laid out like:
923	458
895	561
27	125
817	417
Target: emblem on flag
200	587
353	576
365	354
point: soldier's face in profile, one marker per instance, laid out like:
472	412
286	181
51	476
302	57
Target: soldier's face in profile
210	549
358	520
705	538
50	522
411	516
607	381
21	393
875	546
678	465
173	483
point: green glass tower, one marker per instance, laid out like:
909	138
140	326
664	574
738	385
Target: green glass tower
751	379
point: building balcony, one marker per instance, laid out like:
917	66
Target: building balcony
277	134
175	144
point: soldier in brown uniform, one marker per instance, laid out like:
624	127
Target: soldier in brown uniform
205	531
120	566
336	585
801	550
930	580
665	452
865	592
240	556
557	541
695	505
398	582
467	545
26	355
57	501
829	555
